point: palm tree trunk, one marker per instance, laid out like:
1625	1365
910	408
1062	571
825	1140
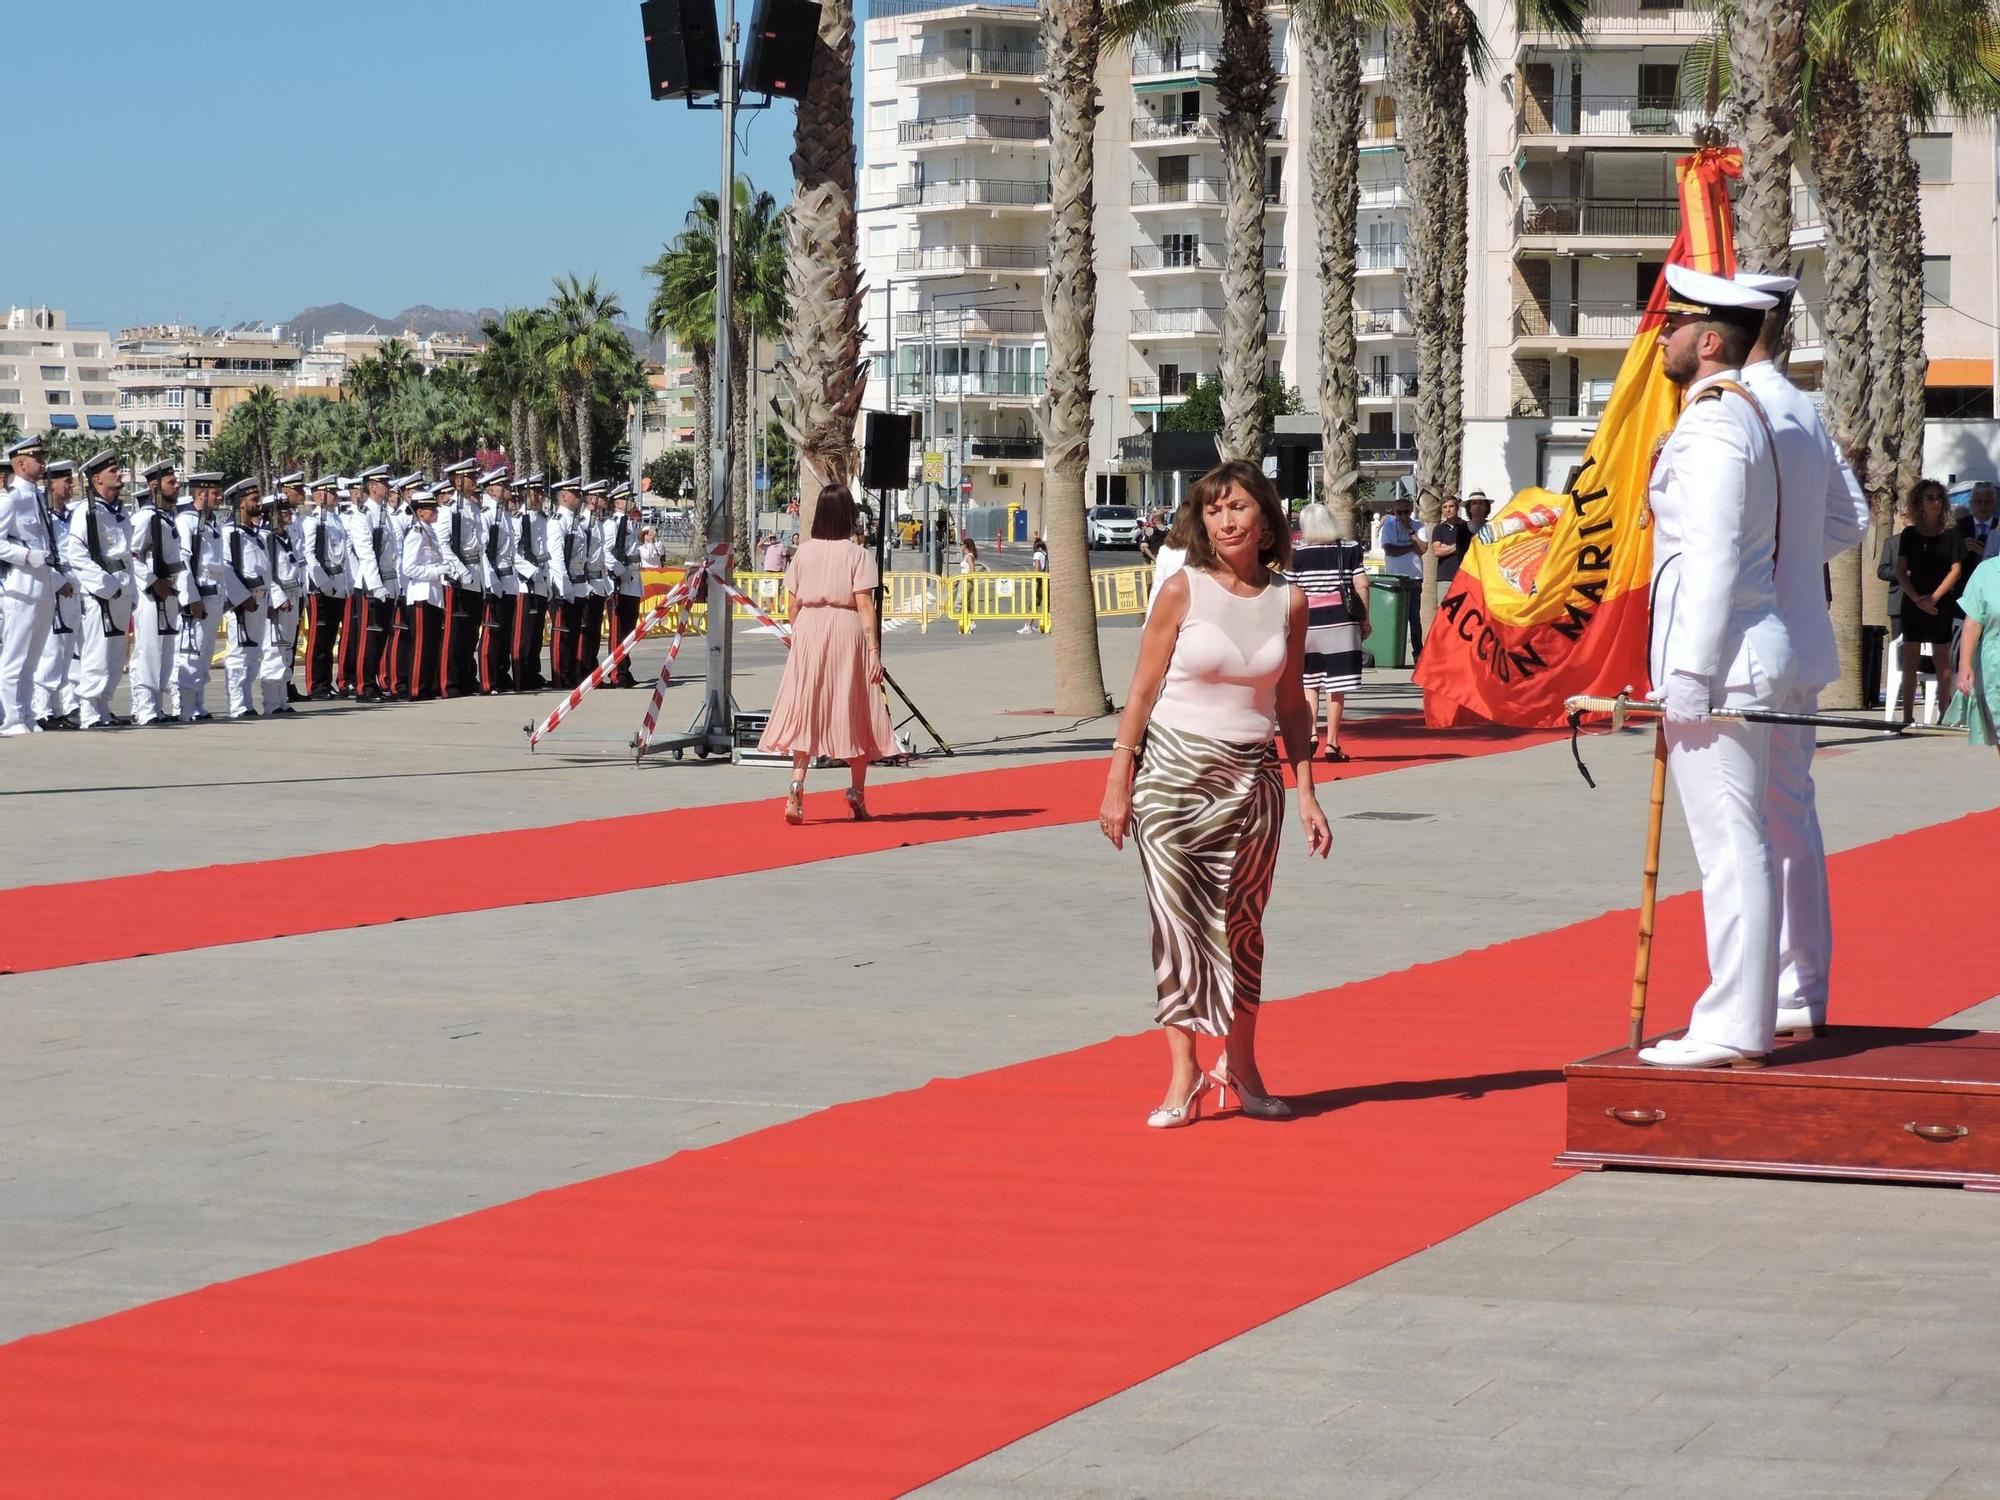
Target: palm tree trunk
825	374
1766	52
1331	54
1072	38
1889	228
580	406
1427	68
1908	201
536	455
1245	82
704	438
739	424
517	448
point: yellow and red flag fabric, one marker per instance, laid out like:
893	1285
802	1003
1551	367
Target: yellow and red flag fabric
1556	603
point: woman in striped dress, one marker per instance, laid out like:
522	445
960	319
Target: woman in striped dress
1327	567
1221	667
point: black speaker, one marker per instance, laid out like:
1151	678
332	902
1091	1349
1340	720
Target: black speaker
1292	482
784	35
683	54
885	462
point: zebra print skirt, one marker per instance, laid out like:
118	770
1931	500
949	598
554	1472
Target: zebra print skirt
1206	815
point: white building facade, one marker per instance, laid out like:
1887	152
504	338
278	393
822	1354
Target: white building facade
180	381
54	377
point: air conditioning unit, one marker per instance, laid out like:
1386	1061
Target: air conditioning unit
1003	478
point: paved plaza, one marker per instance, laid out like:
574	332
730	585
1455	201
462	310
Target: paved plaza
180	1120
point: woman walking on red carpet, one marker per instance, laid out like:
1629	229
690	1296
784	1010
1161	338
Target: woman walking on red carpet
830	702
1221	666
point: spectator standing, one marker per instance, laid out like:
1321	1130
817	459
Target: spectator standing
1478	509
1930	564
1979	659
1448	542
1403	557
830	701
1327	567
1170	555
651	553
1038	554
774	553
1980	527
1220	669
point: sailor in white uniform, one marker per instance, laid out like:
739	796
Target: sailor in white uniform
99	551
55	675
31	581
1721	640
156	567
1822	514
285	562
208	586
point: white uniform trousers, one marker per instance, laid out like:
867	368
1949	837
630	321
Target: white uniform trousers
1722	772
194	659
56	671
152	656
1805	916
281	645
24	632
100	659
242	663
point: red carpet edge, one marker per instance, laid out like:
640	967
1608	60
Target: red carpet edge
174	911
854	1303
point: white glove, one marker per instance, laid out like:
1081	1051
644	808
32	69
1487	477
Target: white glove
1687	698
37	560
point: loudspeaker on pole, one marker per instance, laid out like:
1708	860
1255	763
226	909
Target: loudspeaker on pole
1292	481
885	461
683	49
784	35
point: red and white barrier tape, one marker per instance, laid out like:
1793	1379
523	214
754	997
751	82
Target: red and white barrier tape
652	719
619	652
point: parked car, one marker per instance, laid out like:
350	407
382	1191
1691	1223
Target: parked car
1111	526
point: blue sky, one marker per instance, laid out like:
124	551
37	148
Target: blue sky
218	161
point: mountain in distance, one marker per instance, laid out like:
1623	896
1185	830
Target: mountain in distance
315	323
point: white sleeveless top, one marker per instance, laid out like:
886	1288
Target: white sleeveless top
1223	679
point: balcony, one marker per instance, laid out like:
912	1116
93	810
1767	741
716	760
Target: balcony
1385	447
1808	218
943	260
1597	218
979	384
973	192
1383	323
1212	192
939	130
1388	255
1164	387
1206	322
1204	256
973	62
970	322
1003	449
1151	129
1608	115
1577	322
1173	61
1606	18
878	9
1385	387
1381	195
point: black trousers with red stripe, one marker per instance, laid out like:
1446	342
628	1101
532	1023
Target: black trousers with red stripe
564	640
530	615
396	657
423	626
624	620
466	608
590	645
496	645
324	613
368	636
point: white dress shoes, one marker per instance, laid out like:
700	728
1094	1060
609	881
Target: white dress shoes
1684	1052
1798	1023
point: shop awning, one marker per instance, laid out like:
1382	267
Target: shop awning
1178	84
1957	372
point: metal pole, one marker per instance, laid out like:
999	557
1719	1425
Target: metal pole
718	702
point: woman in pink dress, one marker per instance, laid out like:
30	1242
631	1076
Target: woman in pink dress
830	702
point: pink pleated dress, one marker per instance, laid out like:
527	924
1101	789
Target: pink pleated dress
826	704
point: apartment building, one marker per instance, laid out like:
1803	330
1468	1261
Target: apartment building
1572	210
325	365
54	377
180	380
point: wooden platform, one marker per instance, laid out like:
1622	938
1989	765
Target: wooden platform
1880	1104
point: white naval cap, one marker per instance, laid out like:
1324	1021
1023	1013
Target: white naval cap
463	466
1693	293
1767	282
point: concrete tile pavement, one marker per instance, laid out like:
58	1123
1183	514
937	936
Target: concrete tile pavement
187	1118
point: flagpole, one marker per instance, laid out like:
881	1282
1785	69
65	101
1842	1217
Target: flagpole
1649	888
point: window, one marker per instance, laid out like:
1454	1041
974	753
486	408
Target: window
202	431
55	372
1937	280
10	372
175	397
882	52
13	348
204	397
97	398
1932	152
881	239
86	351
95	375
9	396
1662	4
1659	85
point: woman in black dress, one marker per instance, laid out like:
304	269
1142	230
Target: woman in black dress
1930	566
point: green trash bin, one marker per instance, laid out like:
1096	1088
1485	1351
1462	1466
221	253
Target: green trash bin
1390	600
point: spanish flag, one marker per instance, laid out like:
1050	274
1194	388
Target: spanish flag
1553	599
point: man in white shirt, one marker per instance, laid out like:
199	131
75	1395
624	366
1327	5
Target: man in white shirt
503	585
1403	557
531	566
156	565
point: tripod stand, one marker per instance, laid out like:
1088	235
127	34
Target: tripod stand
916	714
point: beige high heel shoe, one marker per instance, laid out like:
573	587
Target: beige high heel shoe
1172	1117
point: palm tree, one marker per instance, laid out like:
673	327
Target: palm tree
10	427
505	372
399	364
261	414
759	305
1766	59
1073	34
825	375
1330	50
582	337
683	309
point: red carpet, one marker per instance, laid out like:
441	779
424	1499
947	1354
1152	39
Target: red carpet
858	1301
171	911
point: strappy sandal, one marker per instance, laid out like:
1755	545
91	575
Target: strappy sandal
795	805
1337	755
